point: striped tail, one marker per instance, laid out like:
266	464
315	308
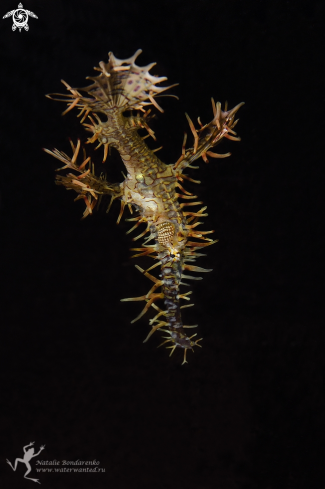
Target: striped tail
173	266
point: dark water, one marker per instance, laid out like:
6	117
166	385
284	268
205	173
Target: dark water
248	410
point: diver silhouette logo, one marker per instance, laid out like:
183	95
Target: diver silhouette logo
29	454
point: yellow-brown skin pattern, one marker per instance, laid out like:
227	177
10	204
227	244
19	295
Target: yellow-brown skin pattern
150	185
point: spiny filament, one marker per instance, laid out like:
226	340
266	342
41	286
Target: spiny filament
113	109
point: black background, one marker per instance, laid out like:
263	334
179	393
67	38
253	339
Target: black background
248	409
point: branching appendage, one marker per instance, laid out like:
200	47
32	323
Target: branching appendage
151	188
88	187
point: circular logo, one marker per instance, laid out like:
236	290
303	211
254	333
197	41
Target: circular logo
20	18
